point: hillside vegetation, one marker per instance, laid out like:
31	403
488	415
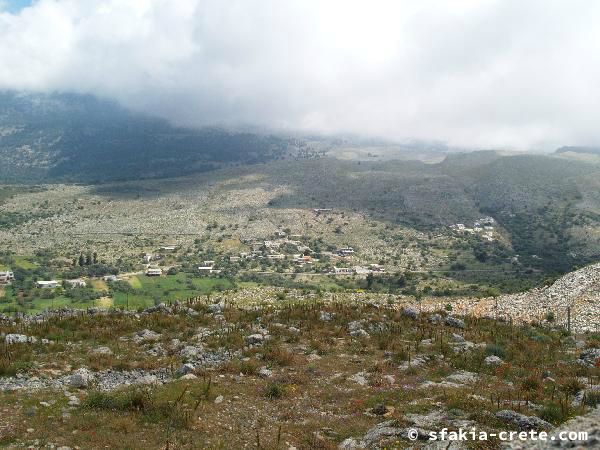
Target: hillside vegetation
51	137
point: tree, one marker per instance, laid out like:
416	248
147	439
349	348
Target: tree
370	281
95	258
81	260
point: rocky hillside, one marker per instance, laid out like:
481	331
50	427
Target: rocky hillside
304	373
578	291
588	423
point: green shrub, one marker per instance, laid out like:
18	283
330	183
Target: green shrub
495	350
274	391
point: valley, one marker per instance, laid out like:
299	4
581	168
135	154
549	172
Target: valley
333	294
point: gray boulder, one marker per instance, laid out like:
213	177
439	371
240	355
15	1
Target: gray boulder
454	322
434	319
255	339
215	308
81	378
325	316
493	360
589	357
18	339
184	369
265	373
148	380
102	351
146	335
351	444
383	430
410	312
190	352
521	421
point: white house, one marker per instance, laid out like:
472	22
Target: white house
342	271
346	251
76	283
46	284
377	267
6	277
153	272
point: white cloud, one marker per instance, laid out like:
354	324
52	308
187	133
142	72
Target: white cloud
487	73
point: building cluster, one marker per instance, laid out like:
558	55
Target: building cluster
53	284
359	270
483	227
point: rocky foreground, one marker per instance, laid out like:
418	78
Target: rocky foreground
576	294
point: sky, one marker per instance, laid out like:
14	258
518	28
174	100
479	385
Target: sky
513	74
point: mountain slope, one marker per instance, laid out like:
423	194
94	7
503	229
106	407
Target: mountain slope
80	138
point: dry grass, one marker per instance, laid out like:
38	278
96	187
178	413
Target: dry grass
311	400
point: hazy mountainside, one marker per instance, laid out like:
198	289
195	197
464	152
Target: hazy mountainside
80	138
539	200
575	149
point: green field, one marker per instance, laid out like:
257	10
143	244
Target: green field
148	291
144	292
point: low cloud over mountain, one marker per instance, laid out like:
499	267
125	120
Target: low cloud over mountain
479	74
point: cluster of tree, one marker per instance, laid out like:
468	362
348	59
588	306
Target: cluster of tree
86	260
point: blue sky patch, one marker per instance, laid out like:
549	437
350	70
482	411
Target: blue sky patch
14	6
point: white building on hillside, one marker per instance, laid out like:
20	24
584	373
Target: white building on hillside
6	277
51	284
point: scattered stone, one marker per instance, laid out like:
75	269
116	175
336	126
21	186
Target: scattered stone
351	444
463	377
359	378
457	338
216	308
145	335
190	352
454	322
255	339
189	376
19	339
587	423
148	380
185	369
356	329
434	319
265	373
219	399
325	316
415	361
493	360
410	312
81	378
102	351
589	357
522	421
